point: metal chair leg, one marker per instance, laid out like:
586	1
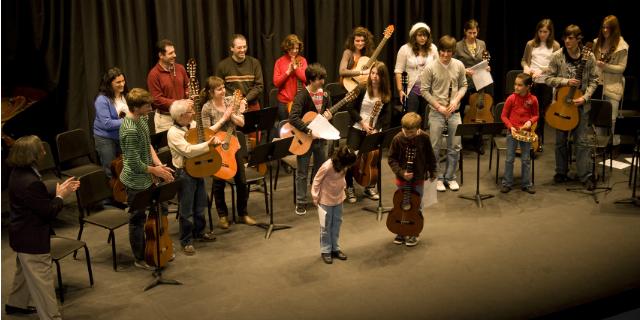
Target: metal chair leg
113	250
60	290
88	258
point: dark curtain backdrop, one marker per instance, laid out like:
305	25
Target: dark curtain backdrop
62	47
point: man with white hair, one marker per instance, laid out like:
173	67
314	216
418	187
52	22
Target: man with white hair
192	194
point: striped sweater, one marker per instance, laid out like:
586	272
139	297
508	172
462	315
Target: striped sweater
136	153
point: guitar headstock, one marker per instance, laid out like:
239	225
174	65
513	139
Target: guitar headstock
388	31
237	101
191	68
194	85
586	51
376	108
411	155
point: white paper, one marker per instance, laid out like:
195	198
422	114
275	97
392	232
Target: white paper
628	159
321	215
430	194
323	129
616	164
481	76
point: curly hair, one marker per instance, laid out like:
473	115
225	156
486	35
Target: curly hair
290	42
368	41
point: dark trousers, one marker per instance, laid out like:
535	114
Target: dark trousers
240	180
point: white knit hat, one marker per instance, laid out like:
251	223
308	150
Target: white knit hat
418	26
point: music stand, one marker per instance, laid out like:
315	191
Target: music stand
375	142
153	197
478	130
269	152
258	120
627	126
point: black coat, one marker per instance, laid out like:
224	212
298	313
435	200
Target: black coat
32	210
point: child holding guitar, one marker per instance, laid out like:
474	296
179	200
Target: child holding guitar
520	112
573	68
413	143
327	194
192	193
311	99
221	116
370	113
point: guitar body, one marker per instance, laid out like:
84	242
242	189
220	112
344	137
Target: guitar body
352	82
117	187
152	238
480	104
365	171
301	141
563	113
205	164
405	218
227	152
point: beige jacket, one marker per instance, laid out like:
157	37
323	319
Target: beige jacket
612	74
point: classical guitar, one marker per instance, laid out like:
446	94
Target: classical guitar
405	218
208	163
117	187
480	103
301	140
563	113
152	237
365	63
230	145
365	170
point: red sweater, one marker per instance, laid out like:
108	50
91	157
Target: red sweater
166	87
288	85
518	110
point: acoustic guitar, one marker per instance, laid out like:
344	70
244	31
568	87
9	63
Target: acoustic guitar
208	163
365	63
365	170
117	187
230	145
152	237
480	103
301	142
405	218
563	113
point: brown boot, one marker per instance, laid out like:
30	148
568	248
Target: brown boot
248	220
223	223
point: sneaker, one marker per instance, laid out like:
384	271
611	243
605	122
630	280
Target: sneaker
453	185
506	189
143	265
301	210
207	237
371	193
440	186
560	178
351	195
339	254
398	239
189	250
223	223
529	189
411	241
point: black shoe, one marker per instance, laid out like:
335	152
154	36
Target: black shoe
326	257
529	189
301	209
9	309
398	239
339	254
560	178
505	189
589	185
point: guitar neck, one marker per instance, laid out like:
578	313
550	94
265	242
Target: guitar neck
340	104
375	54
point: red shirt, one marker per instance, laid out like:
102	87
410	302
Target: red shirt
518	110
166	87
288	85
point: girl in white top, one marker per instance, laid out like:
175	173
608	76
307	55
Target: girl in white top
535	61
412	58
611	52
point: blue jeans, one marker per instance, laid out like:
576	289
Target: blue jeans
525	157
581	141
330	233
319	157
446	171
108	149
193	201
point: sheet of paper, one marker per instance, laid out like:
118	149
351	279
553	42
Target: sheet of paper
430	194
628	159
481	76
616	164
323	129
322	214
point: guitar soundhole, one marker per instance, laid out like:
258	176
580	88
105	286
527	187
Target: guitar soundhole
406	206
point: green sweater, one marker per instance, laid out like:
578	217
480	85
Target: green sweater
136	154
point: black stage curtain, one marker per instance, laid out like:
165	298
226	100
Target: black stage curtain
64	46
